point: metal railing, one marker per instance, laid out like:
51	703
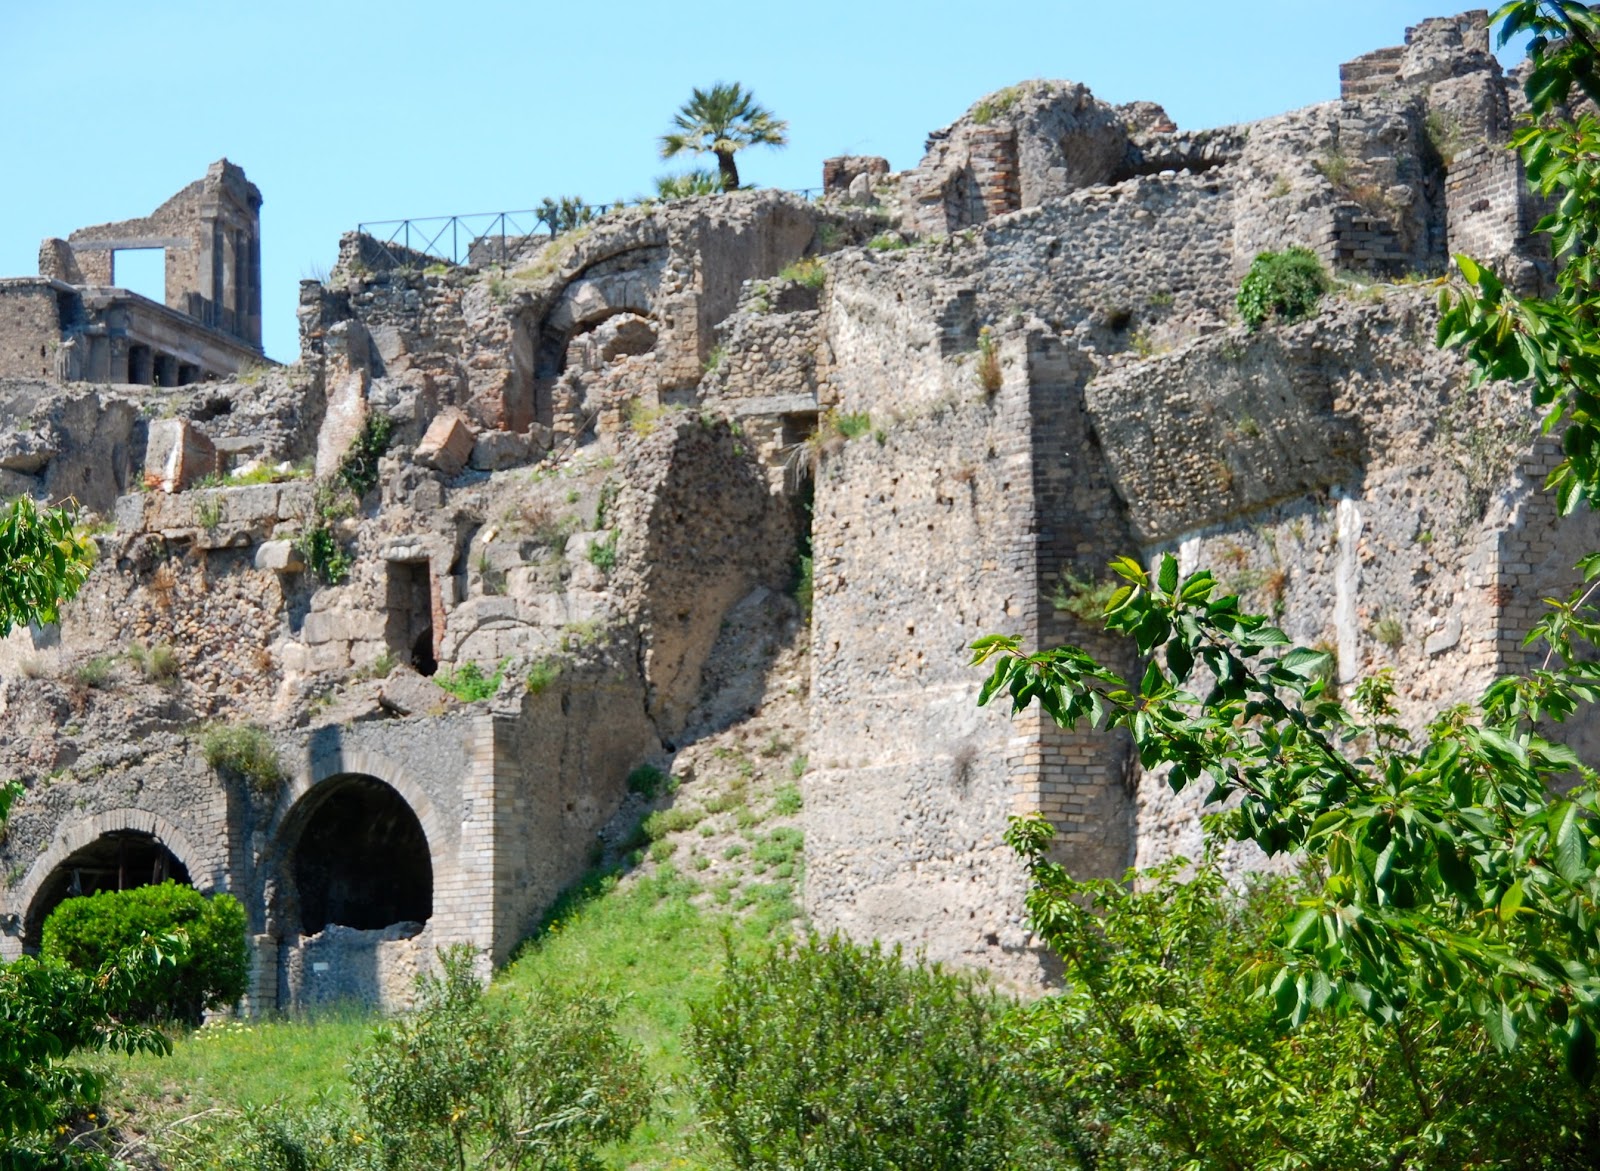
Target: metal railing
489	236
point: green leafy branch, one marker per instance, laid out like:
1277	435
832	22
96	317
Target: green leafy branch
1453	878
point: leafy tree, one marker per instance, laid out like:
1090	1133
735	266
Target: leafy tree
49	1011
43	562
722	121
1152	1057
1460	867
86	932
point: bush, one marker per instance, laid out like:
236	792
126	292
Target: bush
809	272
158	664
603	553
535	1085
1285	286
1161	1055
648	781
542	674
827	1055
468	683
358	470
245	750
87	932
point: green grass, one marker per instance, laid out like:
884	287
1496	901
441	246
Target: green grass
240	1063
645	942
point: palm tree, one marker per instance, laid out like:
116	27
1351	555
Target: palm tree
722	120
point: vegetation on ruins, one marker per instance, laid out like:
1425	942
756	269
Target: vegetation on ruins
1451	873
688	185
211	972
469	684
810	272
246	751
43	562
722	121
566	213
358	470
1281	286
1155	1055
988	367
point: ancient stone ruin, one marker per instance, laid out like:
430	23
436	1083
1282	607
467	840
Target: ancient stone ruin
963	387
72	323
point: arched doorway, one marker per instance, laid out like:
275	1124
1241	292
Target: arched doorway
360	859
117	860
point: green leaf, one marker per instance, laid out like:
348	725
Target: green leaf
1169	573
1580	1051
1569	849
1469	268
1511	901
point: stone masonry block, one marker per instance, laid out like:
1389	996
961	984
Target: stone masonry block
448	442
177	454
280	557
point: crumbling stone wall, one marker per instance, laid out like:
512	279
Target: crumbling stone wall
211	234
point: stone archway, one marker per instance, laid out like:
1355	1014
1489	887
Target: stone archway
337	829
356	856
118	849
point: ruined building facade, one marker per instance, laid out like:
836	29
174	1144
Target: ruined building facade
962	388
73	324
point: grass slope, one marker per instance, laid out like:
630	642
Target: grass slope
644	940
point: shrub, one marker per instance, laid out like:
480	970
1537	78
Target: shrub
468	683
542	674
530	1085
322	553
804	585
602	554
989	375
1159	1055
668	821
97	672
786	801
1281	285
245	750
158	664
888	242
1083	598
90	931
358	470
648	781
543	1083
827	1055
688	185
810	272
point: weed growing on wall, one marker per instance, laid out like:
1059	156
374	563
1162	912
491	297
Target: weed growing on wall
989	375
1082	597
1281	286
358	470
244	750
810	272
468	683
158	664
542	674
602	553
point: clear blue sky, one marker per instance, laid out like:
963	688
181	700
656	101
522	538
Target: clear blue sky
343	111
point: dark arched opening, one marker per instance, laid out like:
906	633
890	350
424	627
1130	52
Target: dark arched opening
120	860
361	859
